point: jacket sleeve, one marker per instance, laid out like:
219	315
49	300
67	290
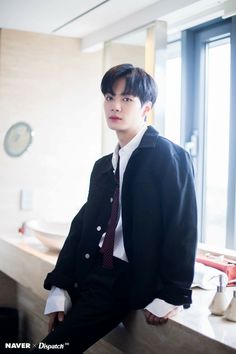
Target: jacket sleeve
179	215
63	274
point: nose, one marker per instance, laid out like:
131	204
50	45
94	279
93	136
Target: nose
116	106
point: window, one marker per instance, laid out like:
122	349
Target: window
209	124
216	151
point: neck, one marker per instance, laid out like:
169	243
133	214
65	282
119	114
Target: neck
125	137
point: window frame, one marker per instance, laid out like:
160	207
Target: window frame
193	110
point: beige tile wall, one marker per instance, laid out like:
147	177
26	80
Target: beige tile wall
49	83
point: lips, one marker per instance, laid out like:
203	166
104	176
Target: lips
114	118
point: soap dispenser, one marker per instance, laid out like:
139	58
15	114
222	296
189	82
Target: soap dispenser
219	303
230	313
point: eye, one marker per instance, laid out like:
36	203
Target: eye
127	99
108	97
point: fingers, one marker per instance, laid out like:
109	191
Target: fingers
154	320
51	323
54	318
60	316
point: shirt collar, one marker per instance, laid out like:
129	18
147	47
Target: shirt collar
128	148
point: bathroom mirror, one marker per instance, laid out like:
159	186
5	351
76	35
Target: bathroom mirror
18	138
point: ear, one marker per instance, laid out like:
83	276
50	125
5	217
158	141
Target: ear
147	106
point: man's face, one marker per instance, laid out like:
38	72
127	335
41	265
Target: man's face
124	113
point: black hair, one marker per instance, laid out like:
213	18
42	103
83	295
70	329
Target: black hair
138	82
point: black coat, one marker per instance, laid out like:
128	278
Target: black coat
159	218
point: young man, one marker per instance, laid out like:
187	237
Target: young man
132	245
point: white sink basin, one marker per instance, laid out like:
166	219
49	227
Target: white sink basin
51	234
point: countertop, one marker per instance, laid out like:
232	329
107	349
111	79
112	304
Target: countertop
27	261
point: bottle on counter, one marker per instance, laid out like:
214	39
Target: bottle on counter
230	313
219	303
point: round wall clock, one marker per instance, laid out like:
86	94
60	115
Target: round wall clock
17	139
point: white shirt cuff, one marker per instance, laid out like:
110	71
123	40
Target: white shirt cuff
161	308
58	300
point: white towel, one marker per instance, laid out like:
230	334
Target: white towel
207	277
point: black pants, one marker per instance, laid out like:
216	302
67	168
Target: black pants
98	307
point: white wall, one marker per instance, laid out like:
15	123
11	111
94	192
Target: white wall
47	82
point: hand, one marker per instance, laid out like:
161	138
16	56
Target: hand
155	320
54	318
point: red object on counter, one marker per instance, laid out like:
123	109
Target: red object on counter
226	265
21	229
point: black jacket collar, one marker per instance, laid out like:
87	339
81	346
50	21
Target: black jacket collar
149	140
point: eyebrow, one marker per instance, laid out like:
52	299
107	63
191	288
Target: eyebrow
122	94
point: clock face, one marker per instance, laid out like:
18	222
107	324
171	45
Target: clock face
17	139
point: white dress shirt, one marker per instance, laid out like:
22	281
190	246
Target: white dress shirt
58	298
